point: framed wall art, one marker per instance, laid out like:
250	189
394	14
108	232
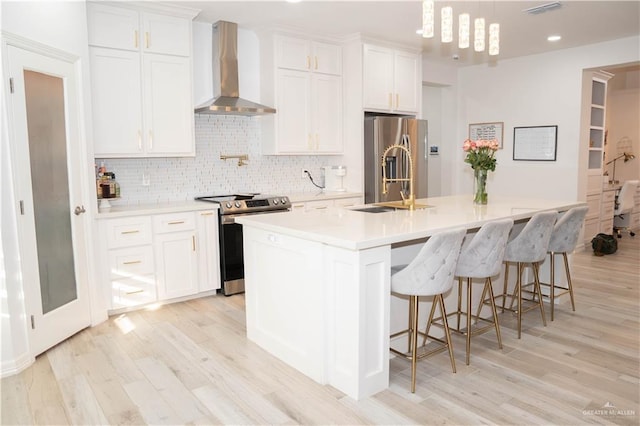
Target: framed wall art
487	131
535	143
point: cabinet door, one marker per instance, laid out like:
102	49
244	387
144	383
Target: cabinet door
327	113
168	108
327	58
113	27
293	53
166	34
293	133
378	78
176	264
208	251
117	107
405	82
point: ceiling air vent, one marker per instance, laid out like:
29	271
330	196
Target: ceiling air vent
543	8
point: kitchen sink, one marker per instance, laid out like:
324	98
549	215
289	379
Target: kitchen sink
375	209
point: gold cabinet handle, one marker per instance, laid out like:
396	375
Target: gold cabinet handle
397	101
135	231
132	262
150	139
135	39
316	64
390	101
176	222
147	39
297	206
206	214
134	291
193	242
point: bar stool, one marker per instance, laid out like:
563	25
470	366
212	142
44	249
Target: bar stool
481	258
564	239
430	273
529	247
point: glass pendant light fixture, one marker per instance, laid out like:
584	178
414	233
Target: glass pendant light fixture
494	39
463	30
446	24
478	39
428	18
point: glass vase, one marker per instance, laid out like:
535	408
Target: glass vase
480	186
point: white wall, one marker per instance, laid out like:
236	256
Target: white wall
63	26
543	89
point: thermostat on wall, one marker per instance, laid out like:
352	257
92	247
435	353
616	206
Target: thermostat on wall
433	150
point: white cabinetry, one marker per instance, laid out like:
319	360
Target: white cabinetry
325	203
129	250
208	250
141	83
308	98
175	252
607	206
391	80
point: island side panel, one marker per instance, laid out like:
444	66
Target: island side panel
358	297
284	297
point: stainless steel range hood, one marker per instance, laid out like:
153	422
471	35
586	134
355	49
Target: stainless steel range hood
225	76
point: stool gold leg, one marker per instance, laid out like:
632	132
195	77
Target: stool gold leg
469	285
446	330
519	296
506	285
552	284
536	277
494	311
414	340
569	283
459	303
431	314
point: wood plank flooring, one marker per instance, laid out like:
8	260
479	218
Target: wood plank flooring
190	363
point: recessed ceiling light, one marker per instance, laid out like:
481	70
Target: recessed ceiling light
554	38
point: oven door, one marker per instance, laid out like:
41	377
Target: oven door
231	257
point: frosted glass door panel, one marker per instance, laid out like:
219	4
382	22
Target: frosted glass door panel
49	179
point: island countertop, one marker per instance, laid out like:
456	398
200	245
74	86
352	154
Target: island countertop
356	230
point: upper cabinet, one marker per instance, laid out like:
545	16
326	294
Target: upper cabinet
308	98
141	82
391	80
597	123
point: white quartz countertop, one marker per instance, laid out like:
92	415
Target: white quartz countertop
146	209
300	197
354	230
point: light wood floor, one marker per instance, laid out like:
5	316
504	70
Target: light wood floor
190	363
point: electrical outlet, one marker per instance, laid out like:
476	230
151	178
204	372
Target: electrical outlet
303	173
146	179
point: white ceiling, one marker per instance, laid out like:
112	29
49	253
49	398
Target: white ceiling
579	22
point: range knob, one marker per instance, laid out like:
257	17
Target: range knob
228	204
238	204
283	201
275	201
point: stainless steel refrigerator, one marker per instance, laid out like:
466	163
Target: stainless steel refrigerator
380	132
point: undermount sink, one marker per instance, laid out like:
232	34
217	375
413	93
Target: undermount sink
375	209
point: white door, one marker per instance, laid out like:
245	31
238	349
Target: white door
47	156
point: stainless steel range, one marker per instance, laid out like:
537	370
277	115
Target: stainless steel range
230	232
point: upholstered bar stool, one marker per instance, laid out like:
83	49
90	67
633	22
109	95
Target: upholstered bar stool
563	240
430	273
529	247
481	258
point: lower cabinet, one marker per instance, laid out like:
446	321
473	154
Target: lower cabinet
325	203
160	257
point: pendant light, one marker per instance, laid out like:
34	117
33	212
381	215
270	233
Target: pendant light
494	39
478	39
446	24
463	30
428	18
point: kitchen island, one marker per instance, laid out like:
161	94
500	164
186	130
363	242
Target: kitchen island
318	283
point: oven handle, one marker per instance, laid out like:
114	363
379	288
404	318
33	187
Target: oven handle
231	218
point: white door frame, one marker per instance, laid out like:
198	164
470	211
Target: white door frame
49	59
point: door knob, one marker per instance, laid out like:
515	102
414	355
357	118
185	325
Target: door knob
79	210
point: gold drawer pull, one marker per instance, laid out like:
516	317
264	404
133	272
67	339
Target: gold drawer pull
176	222
132	262
134	292
130	232
206	214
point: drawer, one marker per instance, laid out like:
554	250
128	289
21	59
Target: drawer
129	292
129	231
635	221
591	228
606	210
606	227
174	222
318	205
347	202
593	201
131	262
608	197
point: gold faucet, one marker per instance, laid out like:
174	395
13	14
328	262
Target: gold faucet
406	201
241	158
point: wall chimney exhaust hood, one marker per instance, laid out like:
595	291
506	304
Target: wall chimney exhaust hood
227	99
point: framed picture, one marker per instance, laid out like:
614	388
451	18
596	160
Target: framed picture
535	143
487	131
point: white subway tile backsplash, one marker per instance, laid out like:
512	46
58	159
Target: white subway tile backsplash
180	179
